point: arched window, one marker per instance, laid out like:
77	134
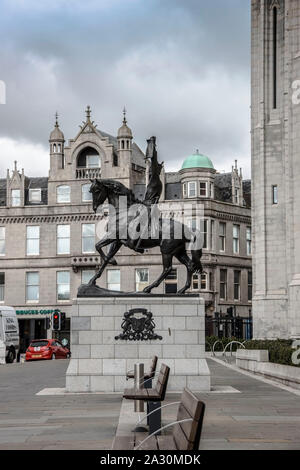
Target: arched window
128	144
63	194
59	148
88	158
86	196
123	144
54	148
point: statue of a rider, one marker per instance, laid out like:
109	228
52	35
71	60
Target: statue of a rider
152	194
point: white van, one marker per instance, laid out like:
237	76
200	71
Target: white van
9	332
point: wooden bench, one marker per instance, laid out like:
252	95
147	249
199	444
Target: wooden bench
186	430
147	377
153	397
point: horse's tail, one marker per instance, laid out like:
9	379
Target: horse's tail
196	257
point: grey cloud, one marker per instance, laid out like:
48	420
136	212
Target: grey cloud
180	67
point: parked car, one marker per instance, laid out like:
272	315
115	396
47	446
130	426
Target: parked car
46	349
9	332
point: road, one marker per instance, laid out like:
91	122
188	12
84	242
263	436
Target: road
28	421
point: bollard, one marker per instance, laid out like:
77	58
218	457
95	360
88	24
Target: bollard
138	384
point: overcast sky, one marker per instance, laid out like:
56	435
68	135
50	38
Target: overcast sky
181	68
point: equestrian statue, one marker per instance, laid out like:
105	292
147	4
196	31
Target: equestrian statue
159	232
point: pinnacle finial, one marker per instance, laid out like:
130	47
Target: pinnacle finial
88	112
124	114
56	119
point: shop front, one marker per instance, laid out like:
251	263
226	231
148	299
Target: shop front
33	325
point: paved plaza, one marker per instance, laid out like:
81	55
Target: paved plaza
261	416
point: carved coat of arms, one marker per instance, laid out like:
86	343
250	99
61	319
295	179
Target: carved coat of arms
138	325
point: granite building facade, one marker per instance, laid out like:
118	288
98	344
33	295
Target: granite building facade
276	167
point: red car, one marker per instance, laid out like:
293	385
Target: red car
46	349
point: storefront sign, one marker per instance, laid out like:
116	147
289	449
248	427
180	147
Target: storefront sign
35	312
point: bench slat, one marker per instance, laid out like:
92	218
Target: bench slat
191	404
180	438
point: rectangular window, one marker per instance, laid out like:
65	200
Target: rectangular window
86	196
236	239
222	236
15	197
249	240
204	225
88	238
63	239
212	233
236	196
223	284
63	285
87	275
141	279
35	195
63	194
32	240
114	279
2	286
275	194
203	281
171	282
195	282
192	189
211	190
2	241
184	190
249	286
32	286
203	189
236	285
199	282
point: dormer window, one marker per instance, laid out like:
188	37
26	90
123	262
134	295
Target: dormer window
16	197
35	195
203	189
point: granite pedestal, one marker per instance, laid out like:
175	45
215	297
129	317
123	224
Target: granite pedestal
99	362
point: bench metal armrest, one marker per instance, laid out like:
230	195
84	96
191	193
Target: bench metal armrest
145	381
161	429
154	411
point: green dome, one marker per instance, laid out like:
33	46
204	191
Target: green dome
197	160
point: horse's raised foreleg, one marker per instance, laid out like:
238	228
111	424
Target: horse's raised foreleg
116	245
167	264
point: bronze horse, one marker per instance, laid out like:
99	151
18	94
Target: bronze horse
170	245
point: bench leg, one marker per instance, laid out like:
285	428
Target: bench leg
154	420
148	384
